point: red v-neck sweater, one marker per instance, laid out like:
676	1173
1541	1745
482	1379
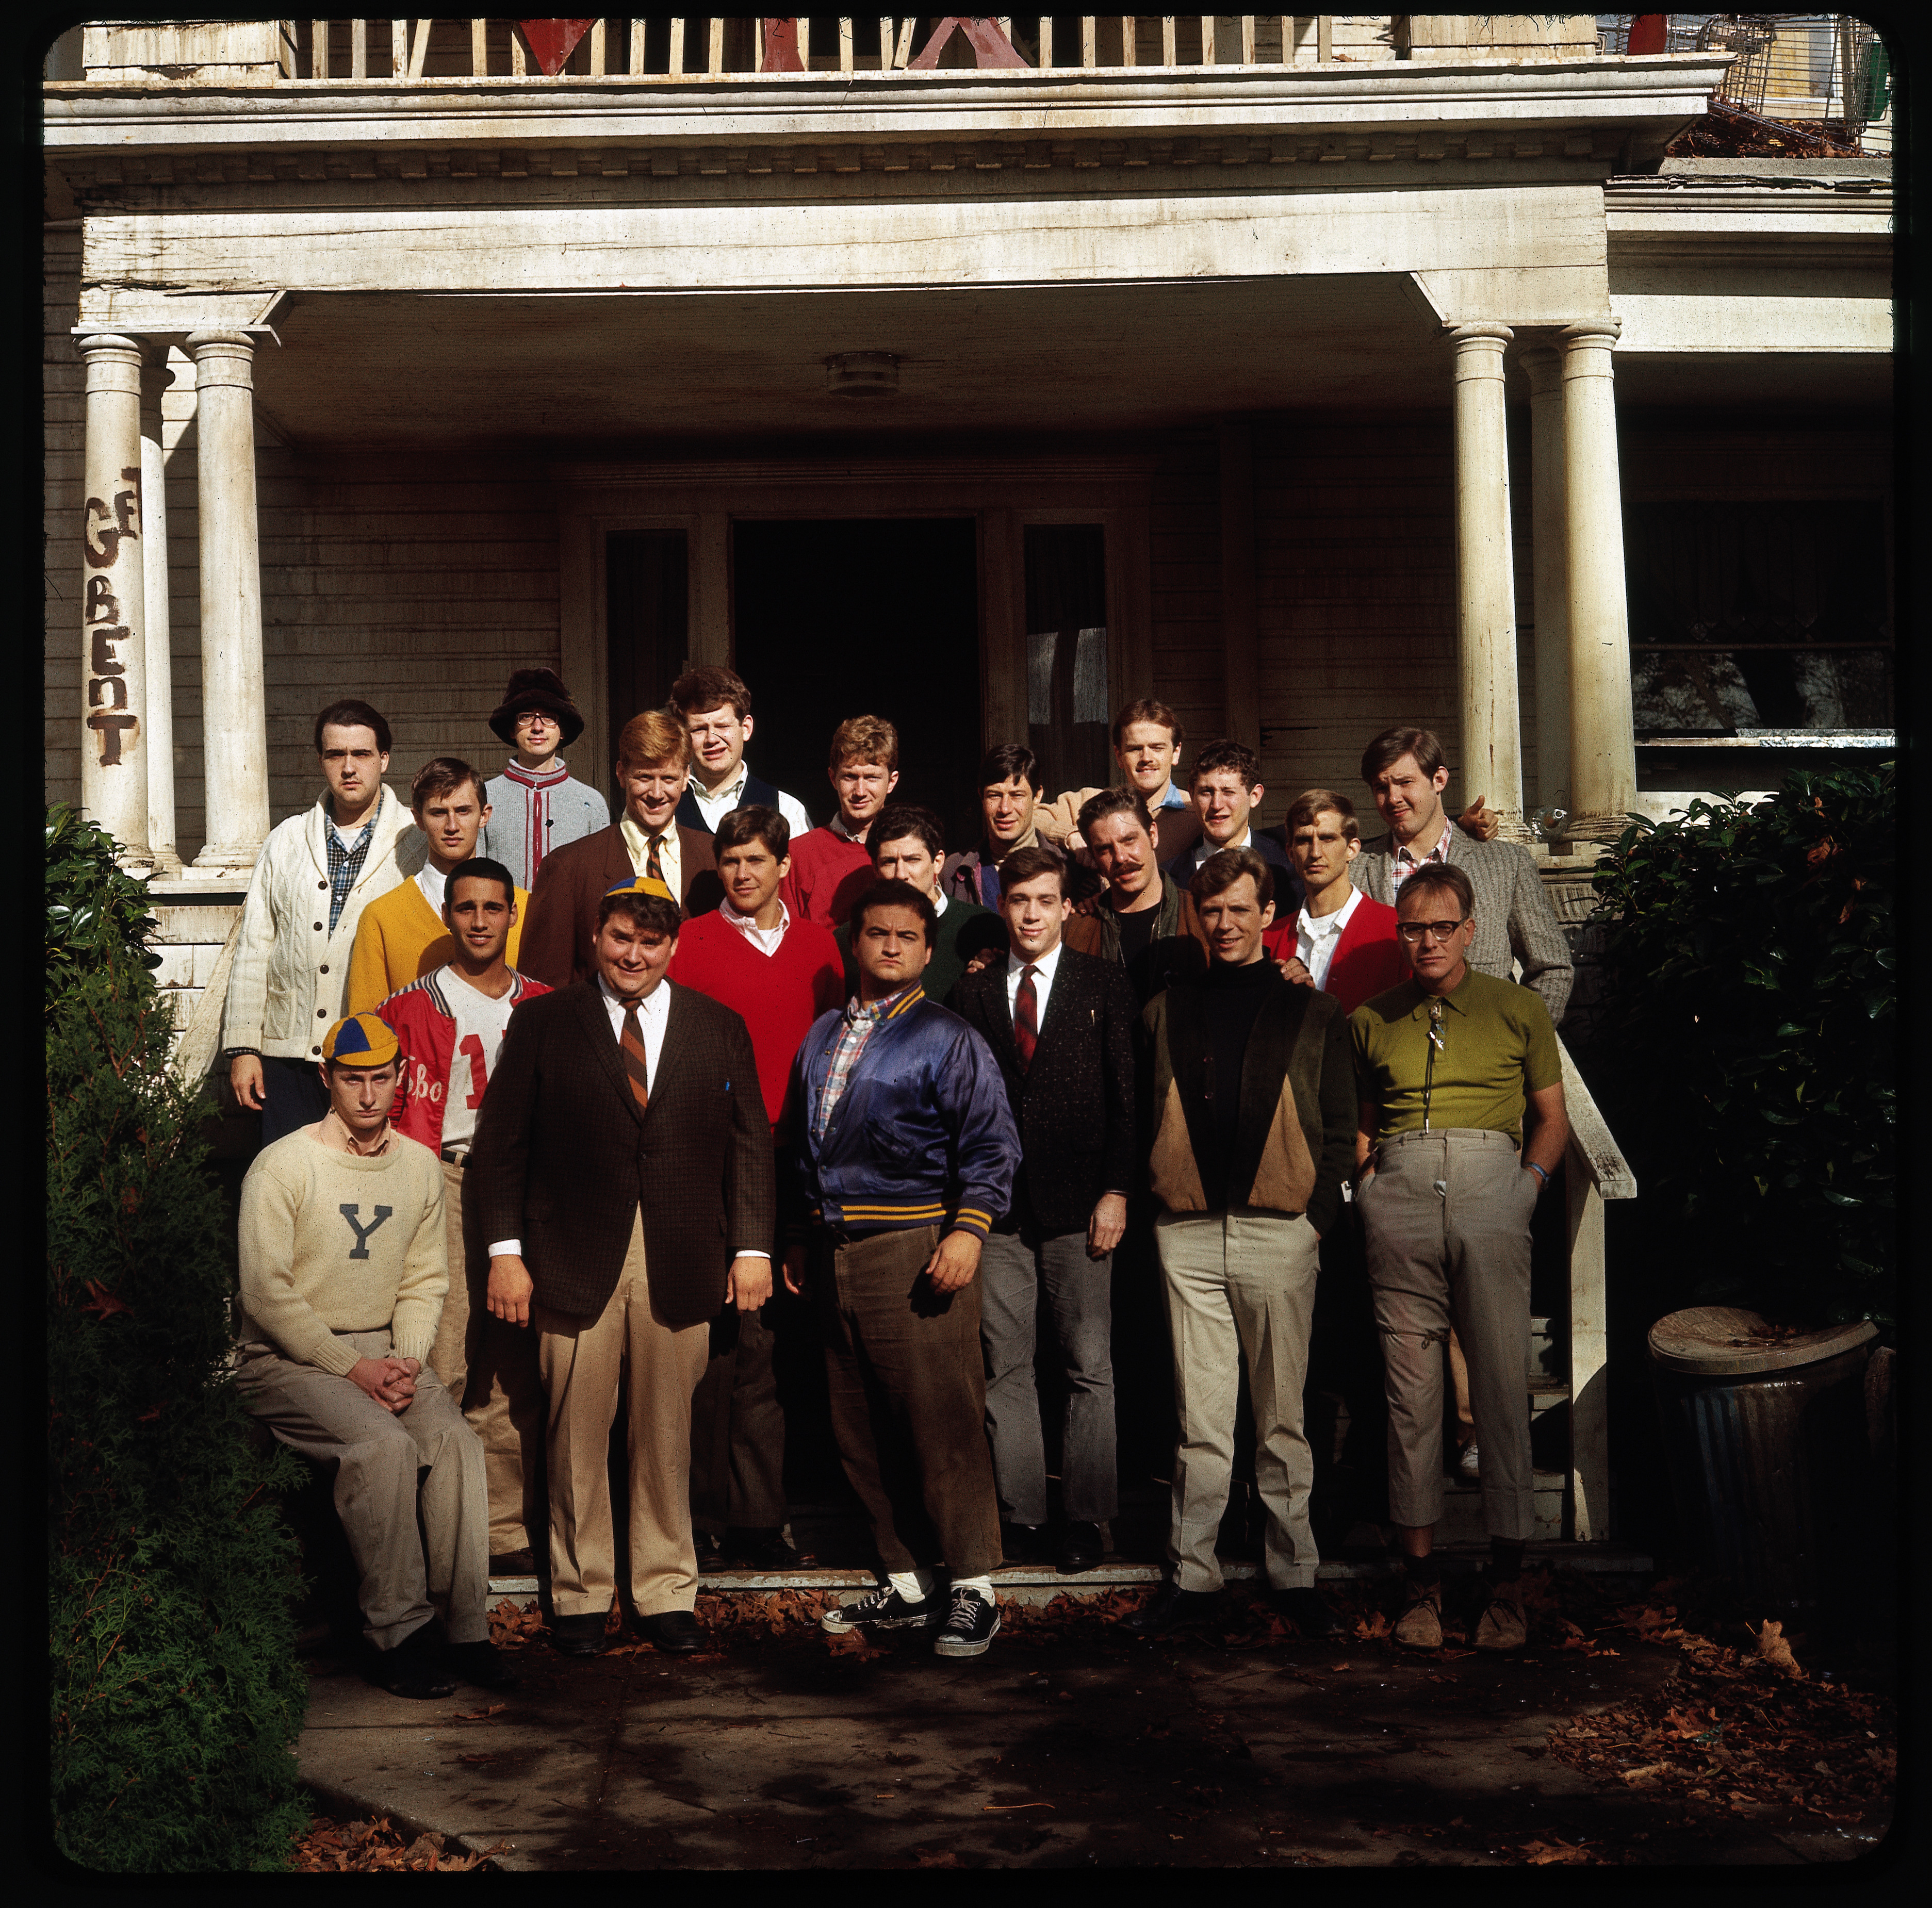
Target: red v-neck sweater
829	874
778	996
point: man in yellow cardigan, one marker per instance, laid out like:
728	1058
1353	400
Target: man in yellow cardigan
403	935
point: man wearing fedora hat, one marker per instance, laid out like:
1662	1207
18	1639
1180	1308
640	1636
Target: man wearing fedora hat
343	1271
536	804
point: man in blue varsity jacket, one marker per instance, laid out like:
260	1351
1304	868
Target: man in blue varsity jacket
906	1154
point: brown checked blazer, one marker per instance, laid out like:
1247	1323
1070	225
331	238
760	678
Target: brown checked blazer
564	1156
573	879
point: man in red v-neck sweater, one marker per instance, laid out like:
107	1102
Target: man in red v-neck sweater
779	973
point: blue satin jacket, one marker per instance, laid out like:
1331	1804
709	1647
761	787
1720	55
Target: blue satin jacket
923	1135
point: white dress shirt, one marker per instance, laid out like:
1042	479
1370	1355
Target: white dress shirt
1043	971
434	884
1316	941
715	807
653	1016
766	940
1204	848
670	852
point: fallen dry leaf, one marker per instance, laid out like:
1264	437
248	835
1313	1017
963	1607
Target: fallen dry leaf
101	1301
1538	1853
482	1715
1772	1647
928	1860
993	1808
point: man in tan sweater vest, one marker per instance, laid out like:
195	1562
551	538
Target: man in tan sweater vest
344	1267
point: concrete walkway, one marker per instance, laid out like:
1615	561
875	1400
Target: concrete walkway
1058	1748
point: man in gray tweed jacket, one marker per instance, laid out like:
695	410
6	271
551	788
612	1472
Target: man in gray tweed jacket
1406	771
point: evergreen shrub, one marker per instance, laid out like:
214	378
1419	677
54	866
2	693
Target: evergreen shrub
176	1694
1749	1067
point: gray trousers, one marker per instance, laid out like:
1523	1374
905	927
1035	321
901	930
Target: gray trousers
1446	1217
1240	1285
1014	1269
409	1487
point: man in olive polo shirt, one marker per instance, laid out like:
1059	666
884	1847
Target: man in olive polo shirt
1446	1065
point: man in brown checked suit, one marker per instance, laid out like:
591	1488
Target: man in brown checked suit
653	766
622	1163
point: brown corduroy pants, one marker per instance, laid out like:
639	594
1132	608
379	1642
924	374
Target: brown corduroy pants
908	1392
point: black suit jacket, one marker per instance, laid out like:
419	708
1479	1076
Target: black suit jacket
564	1156
1075	1105
571	884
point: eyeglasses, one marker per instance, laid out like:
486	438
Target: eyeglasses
1412	931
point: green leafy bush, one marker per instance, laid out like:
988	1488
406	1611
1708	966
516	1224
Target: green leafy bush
1750	1060
176	1694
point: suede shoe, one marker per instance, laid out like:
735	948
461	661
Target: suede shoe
883	1608
412	1669
579	1635
1175	1609
1503	1625
1419	1625
1080	1548
482	1663
1308	1610
675	1632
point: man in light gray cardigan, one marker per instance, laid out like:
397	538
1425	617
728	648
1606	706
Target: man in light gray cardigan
1406	771
536	804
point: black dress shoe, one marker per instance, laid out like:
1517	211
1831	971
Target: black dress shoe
676	1632
1173	1608
413	1667
1080	1548
579	1635
1022	1543
482	1663
764	1550
711	1557
514	1563
1308	1610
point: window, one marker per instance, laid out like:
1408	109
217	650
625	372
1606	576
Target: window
1067	703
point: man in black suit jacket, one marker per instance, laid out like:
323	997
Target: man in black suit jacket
623	1167
1060	1024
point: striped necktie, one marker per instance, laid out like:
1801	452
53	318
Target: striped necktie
654	862
631	1044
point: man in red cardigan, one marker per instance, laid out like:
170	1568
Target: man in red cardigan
779	974
1344	944
830	868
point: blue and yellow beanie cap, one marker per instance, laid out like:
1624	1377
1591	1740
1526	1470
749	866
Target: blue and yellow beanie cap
361	1040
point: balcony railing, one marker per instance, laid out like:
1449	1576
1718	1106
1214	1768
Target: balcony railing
700	47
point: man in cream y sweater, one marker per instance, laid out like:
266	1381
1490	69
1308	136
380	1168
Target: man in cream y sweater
344	1267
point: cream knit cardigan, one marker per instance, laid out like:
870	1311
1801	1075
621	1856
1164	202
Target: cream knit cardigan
289	983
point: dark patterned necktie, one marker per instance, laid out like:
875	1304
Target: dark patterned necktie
654	863
1026	1017
632	1043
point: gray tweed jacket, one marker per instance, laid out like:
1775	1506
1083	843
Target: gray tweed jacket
1514	921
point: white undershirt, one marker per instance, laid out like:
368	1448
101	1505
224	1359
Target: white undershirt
766	940
479	1018
653	1015
1043	971
1316	939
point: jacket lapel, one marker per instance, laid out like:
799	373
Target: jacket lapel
672	1056
597	1031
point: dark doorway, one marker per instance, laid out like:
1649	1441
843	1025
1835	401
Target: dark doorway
647	577
856	617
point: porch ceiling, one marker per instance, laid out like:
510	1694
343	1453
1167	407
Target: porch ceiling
364	370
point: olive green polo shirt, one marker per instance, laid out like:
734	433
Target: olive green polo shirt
1498	1044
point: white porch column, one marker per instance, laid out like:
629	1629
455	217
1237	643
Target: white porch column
114	735
1485	581
1602	749
155	378
1544	364
234	717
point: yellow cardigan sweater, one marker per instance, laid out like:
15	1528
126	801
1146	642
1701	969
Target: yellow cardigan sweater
401	939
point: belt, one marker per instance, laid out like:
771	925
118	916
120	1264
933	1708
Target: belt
456	1156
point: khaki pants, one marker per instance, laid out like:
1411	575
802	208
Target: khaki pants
409	1487
496	1379
1240	1285
583	1359
909	1401
1446	1219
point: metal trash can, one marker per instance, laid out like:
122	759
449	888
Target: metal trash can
1765	1440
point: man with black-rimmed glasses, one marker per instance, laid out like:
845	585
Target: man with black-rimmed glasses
1447	1064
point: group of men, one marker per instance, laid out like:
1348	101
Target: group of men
706	1075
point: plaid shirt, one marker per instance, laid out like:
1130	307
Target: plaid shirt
860	1022
344	865
1403	864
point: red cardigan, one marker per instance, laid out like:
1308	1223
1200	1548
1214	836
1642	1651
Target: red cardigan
778	995
1368	958
828	875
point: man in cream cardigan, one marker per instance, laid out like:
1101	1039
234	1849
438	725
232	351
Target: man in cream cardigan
318	870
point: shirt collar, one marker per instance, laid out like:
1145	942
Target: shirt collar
748	924
1458	997
333	1133
735	786
857	1011
1438	853
652	1002
1044	967
1317	926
